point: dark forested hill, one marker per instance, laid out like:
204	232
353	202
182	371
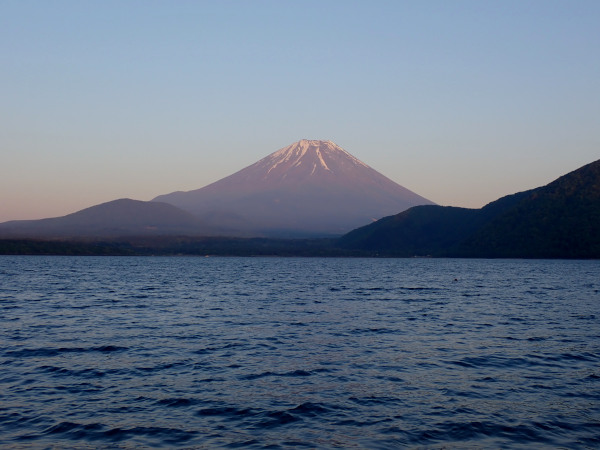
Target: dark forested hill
559	220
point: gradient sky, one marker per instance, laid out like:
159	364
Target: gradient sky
460	101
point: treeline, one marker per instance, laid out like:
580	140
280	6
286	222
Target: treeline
72	248
144	246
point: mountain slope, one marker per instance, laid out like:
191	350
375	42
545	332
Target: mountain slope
419	231
561	219
122	217
308	188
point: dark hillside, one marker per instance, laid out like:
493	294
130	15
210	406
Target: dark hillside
559	220
419	231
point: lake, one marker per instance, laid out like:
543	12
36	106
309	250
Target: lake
190	352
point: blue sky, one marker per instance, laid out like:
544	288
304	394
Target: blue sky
460	101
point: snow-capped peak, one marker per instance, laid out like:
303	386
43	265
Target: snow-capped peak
313	154
310	186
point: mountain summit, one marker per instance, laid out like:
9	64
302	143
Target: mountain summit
308	158
311	187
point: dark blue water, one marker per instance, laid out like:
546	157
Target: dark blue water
283	352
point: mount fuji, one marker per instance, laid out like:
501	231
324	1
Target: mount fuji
309	188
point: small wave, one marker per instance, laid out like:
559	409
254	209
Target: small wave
148	288
310	409
209	380
373	330
225	411
487	379
14	420
98	432
294	373
83	373
418	288
268	419
72	428
468	431
584	316
109	349
370	401
565	357
244	444
49	352
177	402
80	388
159	367
578	357
491	361
361	423
276	419
214	348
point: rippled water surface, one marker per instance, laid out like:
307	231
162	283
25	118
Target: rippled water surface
113	352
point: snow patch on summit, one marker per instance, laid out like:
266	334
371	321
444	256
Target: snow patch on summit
323	164
293	155
286	154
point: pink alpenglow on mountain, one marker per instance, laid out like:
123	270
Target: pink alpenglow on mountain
309	188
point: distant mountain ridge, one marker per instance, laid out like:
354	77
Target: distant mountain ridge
559	220
311	187
308	189
123	217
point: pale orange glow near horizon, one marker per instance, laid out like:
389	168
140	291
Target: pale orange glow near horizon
461	104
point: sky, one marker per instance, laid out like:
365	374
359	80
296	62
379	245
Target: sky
460	101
